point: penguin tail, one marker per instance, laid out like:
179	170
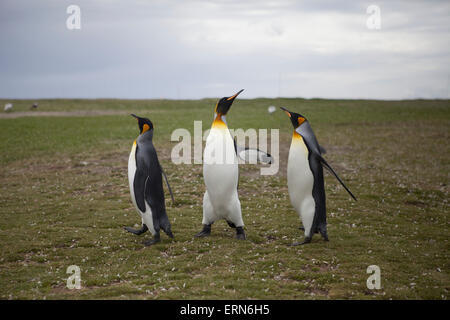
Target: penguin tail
166	227
168	231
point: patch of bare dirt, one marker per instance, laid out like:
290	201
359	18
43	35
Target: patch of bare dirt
86	113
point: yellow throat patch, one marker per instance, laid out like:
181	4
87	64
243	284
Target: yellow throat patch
218	122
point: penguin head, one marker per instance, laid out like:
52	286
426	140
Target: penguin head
296	118
144	124
225	103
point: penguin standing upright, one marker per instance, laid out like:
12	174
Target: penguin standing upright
221	173
146	187
305	178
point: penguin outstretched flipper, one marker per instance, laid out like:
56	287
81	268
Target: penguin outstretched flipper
322	149
310	139
249	154
330	169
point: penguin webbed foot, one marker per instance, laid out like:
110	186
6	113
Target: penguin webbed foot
156	239
205	232
323	232
137	232
231	224
240	233
306	241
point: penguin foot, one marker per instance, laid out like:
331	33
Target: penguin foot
156	239
324	234
205	232
231	224
170	234
240	234
306	241
137	232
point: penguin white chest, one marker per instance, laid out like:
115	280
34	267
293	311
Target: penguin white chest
132	172
299	175
220	168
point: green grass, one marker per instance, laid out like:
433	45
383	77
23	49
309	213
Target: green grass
64	200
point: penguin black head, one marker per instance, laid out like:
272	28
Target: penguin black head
296	118
225	103
144	124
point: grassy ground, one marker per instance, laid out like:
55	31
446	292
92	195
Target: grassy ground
64	200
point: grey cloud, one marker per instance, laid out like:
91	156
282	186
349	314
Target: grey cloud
193	49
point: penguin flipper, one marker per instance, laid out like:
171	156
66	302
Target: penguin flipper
322	149
326	165
139	185
249	154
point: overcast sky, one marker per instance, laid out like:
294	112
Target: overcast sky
193	49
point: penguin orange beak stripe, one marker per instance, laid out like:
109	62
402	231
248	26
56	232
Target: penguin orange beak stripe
233	97
287	112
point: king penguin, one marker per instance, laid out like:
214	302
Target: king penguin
146	187
305	178
221	174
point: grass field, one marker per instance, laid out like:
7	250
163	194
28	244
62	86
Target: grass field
64	201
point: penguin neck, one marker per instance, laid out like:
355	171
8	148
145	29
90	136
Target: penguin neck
146	136
296	137
220	121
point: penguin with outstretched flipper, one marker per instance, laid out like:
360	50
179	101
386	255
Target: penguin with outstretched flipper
305	178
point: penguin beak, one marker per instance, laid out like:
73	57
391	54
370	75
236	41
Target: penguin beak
234	97
287	111
133	115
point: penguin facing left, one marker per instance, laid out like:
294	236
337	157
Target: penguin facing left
305	178
146	186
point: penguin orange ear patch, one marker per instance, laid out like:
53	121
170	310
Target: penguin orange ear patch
300	120
145	128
